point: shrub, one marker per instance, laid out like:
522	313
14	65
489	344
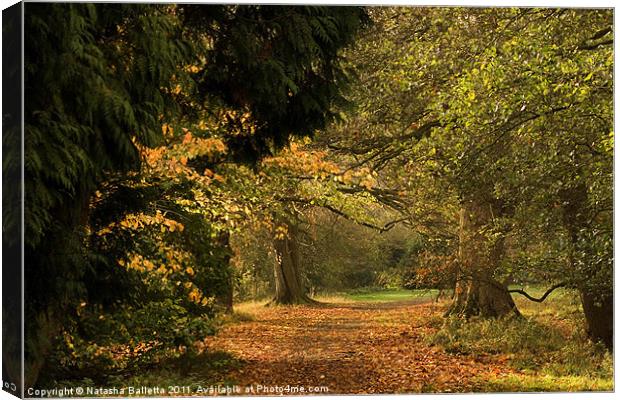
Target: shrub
126	340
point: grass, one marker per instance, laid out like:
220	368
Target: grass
548	348
547	383
364	295
389	295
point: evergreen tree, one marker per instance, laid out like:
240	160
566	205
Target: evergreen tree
101	79
277	65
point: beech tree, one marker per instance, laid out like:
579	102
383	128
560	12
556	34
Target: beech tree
461	114
529	146
295	181
406	70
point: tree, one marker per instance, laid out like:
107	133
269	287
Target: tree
490	109
278	66
423	54
145	66
544	147
301	178
288	282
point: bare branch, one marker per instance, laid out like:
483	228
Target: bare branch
544	296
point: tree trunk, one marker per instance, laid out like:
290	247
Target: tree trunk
483	296
225	299
477	292
289	288
599	315
597	307
228	298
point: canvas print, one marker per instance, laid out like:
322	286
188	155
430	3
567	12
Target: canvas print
222	199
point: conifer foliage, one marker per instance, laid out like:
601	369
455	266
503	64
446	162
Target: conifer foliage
280	64
101	80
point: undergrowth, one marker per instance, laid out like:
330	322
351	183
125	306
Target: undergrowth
548	348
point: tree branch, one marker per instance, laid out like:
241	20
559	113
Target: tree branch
381	229
340	213
595	46
544	296
598	35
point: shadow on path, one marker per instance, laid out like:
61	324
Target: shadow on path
349	348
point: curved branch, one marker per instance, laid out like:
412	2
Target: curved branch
388	226
544	296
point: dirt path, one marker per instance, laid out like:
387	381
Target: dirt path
350	348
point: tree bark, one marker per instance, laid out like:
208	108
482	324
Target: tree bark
597	307
225	299
477	292
289	287
482	296
599	315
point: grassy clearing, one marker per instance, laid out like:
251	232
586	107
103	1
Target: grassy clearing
389	295
248	309
365	295
333	298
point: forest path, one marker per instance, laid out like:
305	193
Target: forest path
350	348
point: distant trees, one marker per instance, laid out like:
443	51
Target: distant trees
294	185
332	254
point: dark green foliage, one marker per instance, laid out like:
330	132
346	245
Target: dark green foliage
12	194
279	63
94	79
100	80
93	82
101	343
11	124
129	319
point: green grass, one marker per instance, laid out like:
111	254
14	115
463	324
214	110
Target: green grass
548	349
547	383
388	295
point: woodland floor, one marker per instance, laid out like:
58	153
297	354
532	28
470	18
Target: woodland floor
351	348
391	341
